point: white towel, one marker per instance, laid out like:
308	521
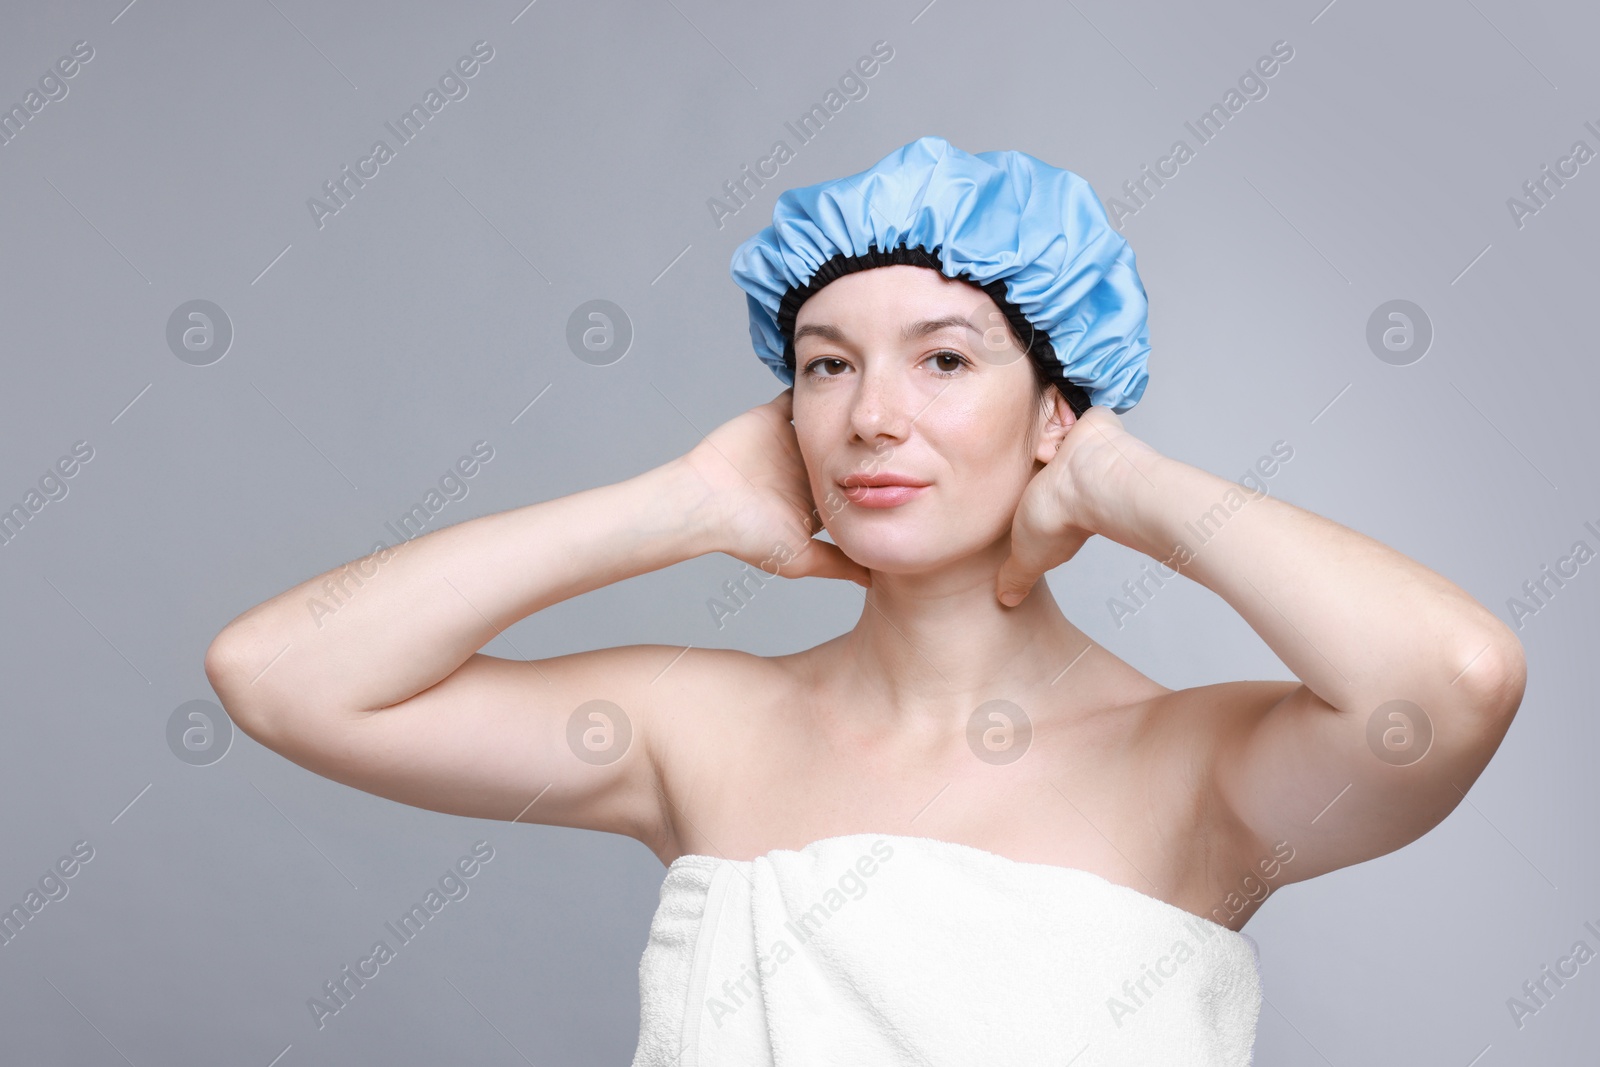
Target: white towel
892	950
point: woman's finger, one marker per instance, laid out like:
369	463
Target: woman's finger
1031	558
1014	582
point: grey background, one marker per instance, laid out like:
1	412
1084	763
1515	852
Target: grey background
430	312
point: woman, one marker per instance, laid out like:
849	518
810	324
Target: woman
962	831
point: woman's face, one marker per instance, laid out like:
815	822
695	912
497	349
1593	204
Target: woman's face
902	372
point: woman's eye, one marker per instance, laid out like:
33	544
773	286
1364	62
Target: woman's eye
811	368
946	354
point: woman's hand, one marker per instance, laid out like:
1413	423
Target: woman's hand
757	500
1068	499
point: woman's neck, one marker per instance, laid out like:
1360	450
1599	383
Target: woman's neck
925	653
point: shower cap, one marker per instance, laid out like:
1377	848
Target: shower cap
1033	236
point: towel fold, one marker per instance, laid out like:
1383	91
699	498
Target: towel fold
892	950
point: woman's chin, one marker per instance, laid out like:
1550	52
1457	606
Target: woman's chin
891	555
914	547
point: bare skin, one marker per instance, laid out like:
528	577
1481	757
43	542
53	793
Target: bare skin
1206	798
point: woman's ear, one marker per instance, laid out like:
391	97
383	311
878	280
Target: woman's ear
1058	419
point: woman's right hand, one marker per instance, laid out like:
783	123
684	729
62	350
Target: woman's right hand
757	499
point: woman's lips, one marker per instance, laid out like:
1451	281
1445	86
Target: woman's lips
882	496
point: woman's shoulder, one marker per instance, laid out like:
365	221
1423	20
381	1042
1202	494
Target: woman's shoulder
700	691
700	674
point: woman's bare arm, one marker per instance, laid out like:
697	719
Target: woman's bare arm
369	674
1408	684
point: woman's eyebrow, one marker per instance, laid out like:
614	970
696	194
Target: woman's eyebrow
915	330
826	331
910	332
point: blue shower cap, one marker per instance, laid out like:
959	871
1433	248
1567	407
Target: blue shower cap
1033	236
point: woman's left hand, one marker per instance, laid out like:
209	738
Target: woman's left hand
1062	507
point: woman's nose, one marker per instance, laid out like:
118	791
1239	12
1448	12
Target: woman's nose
883	404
